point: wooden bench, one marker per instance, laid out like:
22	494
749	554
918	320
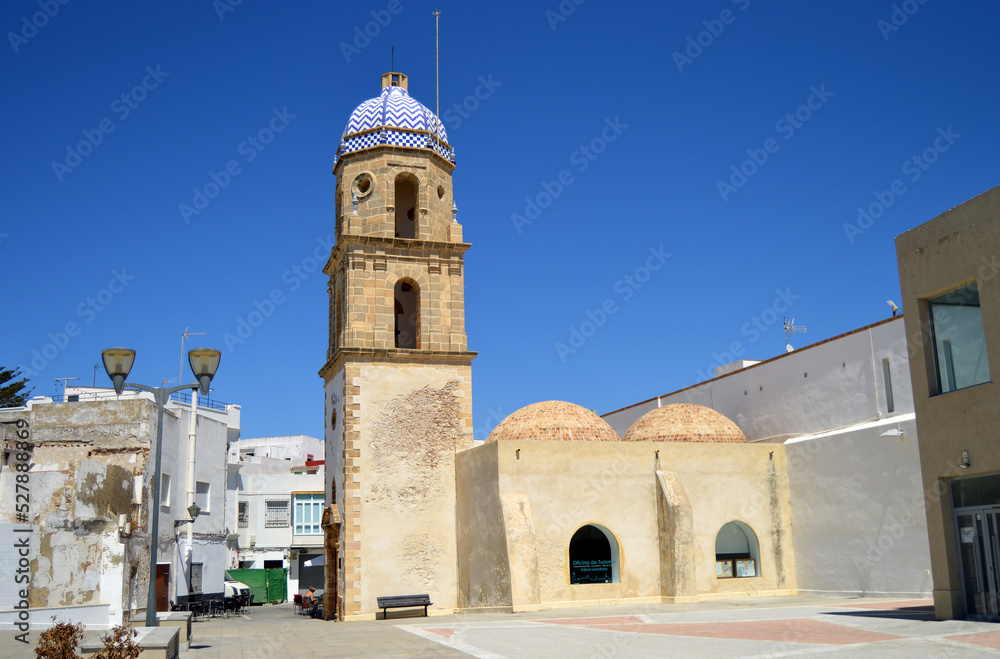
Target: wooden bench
403	601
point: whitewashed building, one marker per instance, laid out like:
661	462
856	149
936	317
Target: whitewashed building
279	493
91	484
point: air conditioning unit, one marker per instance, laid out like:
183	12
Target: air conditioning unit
253	540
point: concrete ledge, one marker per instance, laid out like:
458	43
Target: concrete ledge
486	609
401	613
866	593
92	616
156	643
568	604
179	619
786	592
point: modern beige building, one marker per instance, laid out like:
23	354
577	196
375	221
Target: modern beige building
948	275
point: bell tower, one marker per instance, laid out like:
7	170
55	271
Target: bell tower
398	371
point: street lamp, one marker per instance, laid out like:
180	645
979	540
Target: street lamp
118	362
193	511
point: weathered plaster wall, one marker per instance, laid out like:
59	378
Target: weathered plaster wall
484	574
675	529
334	439
85	456
411	422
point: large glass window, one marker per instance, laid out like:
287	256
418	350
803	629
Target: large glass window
958	339
308	513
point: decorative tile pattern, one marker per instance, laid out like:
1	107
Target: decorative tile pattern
395	118
684	422
554	420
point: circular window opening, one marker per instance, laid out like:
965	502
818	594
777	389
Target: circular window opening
593	556
363	185
440	192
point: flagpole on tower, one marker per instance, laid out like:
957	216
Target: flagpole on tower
437	59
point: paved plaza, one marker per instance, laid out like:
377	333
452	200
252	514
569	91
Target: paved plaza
772	627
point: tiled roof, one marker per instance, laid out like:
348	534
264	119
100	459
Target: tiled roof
554	420
685	423
395	118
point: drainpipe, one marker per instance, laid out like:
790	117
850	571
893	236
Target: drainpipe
192	432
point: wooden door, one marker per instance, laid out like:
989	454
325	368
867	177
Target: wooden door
162	586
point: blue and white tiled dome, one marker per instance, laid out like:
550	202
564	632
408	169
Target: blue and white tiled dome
395	118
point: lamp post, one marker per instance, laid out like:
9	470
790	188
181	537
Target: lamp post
118	362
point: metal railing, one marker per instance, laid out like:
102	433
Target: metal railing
207	403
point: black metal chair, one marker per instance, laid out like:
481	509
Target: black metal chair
199	609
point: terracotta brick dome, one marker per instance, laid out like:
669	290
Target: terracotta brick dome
554	420
685	423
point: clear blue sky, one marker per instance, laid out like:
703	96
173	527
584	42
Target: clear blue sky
663	120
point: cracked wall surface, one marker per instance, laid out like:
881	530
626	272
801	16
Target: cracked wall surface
84	457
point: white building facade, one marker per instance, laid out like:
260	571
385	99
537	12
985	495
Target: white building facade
843	408
279	495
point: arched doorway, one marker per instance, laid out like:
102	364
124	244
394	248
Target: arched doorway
593	556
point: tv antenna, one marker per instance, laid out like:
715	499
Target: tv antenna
790	329
437	59
184	336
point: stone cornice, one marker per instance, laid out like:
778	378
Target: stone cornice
402	244
395	356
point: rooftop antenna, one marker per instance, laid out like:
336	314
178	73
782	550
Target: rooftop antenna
184	336
790	329
94	383
437	59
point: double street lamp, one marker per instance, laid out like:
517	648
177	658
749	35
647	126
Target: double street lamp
118	362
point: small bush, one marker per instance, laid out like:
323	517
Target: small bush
120	644
59	642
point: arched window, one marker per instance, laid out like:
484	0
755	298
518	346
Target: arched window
406	206
406	311
737	553
593	556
